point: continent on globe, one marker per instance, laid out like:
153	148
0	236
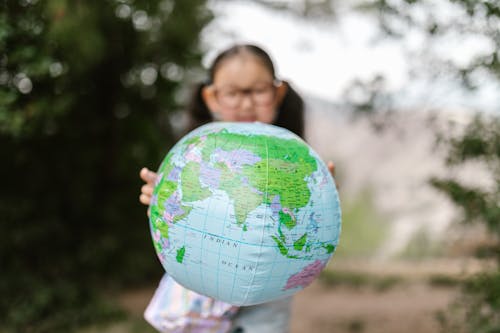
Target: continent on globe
306	276
244	212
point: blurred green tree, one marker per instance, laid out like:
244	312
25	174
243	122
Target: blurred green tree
463	20
85	93
480	139
478	310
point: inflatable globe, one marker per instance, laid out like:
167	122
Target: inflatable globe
244	213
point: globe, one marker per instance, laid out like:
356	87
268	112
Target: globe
245	213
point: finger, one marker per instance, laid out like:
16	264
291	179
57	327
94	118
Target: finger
149	212
147	175
147	189
145	199
331	168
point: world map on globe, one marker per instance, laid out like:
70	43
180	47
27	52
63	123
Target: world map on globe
245	213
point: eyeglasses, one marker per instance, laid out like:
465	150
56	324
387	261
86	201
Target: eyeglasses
261	95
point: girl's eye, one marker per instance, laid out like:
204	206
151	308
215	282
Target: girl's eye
230	93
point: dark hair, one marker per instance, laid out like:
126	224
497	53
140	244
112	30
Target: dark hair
290	113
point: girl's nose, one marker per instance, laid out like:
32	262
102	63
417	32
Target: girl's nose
247	101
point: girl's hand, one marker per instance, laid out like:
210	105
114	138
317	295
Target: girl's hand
331	168
147	189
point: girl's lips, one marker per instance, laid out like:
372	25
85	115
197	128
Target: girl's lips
247	119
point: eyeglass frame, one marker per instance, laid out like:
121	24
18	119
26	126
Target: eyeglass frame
249	92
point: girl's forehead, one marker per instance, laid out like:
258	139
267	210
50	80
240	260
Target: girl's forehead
242	68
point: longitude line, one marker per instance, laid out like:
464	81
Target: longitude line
265	218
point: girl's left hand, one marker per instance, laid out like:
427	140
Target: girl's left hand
331	168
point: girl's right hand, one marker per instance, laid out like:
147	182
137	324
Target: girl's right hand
147	189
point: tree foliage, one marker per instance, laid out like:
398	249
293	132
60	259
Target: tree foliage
85	91
479	307
479	141
317	10
442	20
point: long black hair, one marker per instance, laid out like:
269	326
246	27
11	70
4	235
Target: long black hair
290	113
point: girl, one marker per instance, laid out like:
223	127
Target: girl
243	87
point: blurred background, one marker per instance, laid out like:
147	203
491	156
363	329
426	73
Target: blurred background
403	95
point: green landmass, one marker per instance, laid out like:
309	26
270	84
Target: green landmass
192	190
163	227
282	171
245	200
283	249
299	243
187	210
165	187
180	254
329	248
287	220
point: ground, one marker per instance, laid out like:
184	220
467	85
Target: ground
348	309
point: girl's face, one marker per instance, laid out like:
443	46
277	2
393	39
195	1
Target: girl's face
243	90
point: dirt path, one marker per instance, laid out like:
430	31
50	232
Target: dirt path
321	309
410	304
